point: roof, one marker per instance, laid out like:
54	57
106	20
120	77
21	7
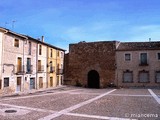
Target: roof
44	43
132	46
29	38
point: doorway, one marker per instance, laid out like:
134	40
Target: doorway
18	84
32	83
93	79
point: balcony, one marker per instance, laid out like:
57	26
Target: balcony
29	69
40	68
59	71
52	69
143	64
20	70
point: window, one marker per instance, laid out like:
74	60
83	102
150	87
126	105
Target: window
127	57
40	49
16	43
158	55
19	65
57	66
143	76
0	84
28	65
158	77
51	67
29	48
6	82
57	80
51	53
39	65
57	53
61	66
128	76
143	59
61	54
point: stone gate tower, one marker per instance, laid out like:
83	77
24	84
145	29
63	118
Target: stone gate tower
91	64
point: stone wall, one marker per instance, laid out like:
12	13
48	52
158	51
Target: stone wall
84	57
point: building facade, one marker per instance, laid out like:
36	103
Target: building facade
91	64
138	64
23	62
55	67
103	64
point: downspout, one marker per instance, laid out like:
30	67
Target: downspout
56	67
36	66
63	68
3	38
47	67
23	66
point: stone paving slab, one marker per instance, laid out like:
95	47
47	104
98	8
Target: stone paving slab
66	117
52	102
32	115
132	91
113	106
117	105
157	92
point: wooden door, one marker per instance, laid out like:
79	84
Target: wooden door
18	84
40	82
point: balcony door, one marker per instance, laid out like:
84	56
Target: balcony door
19	64
39	65
28	65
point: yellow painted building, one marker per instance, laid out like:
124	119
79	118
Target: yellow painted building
54	66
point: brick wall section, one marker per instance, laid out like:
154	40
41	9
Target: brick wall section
84	57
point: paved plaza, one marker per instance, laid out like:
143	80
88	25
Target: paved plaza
75	103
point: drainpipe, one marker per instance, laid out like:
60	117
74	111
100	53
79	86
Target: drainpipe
3	39
47	67
23	67
36	66
56	65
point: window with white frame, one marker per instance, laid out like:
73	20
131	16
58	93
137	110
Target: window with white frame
157	76
143	76
127	56
127	76
143	59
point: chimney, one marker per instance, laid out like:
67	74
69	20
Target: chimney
42	38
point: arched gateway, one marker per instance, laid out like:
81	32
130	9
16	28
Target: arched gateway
93	79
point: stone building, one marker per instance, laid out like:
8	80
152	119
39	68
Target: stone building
138	64
91	64
123	64
24	63
55	66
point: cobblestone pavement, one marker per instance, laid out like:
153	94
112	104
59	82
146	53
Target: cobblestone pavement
70	103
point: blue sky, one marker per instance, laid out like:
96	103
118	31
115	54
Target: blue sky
69	21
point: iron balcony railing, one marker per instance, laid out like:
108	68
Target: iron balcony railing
52	69
41	68
59	71
20	69
29	69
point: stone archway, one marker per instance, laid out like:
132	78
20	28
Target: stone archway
93	79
